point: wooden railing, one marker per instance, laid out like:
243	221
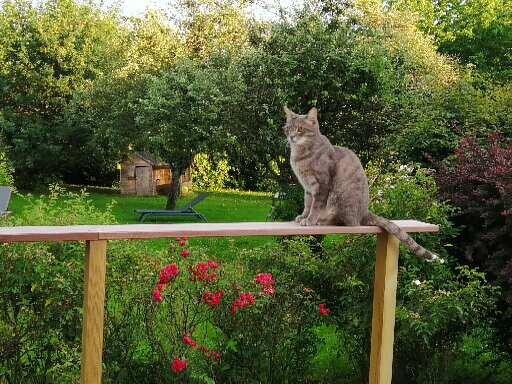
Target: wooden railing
96	237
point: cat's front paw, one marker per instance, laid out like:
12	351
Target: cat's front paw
299	219
308	222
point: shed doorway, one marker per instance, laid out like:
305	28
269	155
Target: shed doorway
143	181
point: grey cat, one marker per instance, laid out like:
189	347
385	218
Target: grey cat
334	181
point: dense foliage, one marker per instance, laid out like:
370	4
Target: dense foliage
439	307
74	75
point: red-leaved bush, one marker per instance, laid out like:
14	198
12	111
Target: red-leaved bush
479	184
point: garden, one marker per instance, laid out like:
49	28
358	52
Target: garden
421	91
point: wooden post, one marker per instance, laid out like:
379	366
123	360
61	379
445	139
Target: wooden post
94	303
384	302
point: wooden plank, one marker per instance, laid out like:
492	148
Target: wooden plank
153	231
384	302
48	233
149	231
93	312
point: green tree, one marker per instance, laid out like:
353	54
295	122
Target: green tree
186	112
477	32
100	119
359	71
213	27
47	52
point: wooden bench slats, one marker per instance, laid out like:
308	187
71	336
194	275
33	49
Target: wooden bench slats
154	231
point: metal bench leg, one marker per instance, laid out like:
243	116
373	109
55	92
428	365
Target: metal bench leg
198	215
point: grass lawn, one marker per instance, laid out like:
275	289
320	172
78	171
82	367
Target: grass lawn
218	207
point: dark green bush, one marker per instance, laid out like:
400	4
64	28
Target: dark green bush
41	295
437	304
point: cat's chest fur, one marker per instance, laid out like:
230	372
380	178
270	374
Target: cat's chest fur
311	167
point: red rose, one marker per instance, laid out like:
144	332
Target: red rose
243	301
168	273
185	253
187	340
157	296
323	310
213	299
179	365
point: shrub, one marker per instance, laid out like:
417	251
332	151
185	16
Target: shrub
478	361
280	338
211	322
437	305
433	123
6	170
479	183
207	175
288	202
41	294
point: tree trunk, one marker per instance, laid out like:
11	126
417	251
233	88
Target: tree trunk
174	191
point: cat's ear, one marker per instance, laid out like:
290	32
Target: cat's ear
313	114
289	113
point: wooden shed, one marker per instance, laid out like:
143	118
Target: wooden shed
143	174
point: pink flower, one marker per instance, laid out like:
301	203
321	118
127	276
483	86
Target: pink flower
214	355
161	287
323	310
205	271
182	242
185	253
187	340
157	296
269	290
213	299
168	273
264	279
243	301
179	365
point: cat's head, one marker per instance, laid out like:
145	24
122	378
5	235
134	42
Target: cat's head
301	129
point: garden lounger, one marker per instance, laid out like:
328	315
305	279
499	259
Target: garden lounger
180	212
5	198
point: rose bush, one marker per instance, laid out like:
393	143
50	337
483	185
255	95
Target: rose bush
201	313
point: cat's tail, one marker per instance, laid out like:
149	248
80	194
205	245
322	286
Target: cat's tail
400	234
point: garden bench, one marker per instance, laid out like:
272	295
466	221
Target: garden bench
188	211
97	236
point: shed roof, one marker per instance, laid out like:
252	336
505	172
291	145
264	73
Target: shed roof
150	158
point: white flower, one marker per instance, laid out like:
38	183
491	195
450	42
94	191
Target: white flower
416	282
